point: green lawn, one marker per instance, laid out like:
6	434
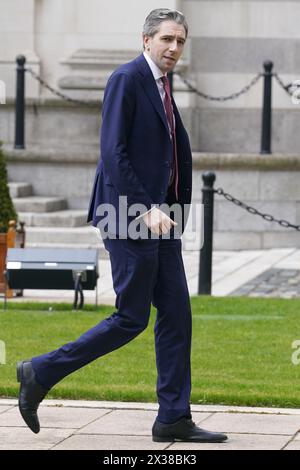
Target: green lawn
241	352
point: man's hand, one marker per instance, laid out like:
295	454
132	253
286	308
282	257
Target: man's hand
158	222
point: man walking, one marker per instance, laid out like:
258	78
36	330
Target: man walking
145	161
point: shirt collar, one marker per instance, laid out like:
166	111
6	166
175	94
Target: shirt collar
157	73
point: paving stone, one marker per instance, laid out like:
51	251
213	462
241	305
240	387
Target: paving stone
23	439
238	442
253	423
247	428
288	272
294	444
54	417
273	282
109	442
3	409
137	422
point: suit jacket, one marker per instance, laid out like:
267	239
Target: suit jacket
136	148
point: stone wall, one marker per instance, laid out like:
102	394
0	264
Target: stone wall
269	183
228	42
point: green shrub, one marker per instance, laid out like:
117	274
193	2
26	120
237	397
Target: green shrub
7	210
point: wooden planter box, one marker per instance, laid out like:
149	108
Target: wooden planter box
7	240
3	251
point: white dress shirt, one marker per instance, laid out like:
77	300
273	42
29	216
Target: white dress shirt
157	74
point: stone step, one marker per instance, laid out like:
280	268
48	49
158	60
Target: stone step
20	190
65	237
79	236
39	204
66	218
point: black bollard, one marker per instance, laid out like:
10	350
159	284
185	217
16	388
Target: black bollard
205	273
20	103
266	133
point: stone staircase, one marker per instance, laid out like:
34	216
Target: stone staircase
49	222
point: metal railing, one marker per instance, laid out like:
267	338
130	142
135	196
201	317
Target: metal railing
208	193
266	127
20	99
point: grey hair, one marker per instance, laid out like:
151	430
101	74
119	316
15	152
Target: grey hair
156	17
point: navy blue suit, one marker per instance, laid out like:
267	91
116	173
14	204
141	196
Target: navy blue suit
136	161
136	149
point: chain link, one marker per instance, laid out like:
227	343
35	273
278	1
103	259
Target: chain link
219	191
285	87
56	92
244	90
252	210
220	98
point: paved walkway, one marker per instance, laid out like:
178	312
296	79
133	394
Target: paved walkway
87	425
265	273
127	426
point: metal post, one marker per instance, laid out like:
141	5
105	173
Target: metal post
267	110
205	273
20	103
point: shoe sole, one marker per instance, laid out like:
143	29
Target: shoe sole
170	439
36	430
162	439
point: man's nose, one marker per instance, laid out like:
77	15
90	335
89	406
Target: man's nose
173	46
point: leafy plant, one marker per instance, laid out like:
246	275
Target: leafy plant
7	210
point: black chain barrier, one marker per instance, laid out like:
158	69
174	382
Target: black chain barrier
220	98
187	83
56	92
292	89
287	88
252	210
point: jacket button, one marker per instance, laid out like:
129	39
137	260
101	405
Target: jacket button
187	189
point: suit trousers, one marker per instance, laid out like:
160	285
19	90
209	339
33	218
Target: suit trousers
143	272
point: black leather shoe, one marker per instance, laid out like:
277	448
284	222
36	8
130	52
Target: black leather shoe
184	430
30	396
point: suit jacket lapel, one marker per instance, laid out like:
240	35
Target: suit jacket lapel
150	87
176	113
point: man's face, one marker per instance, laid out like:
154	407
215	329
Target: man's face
166	46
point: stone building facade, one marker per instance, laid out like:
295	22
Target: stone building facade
74	45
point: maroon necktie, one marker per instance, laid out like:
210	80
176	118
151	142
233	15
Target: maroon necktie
170	117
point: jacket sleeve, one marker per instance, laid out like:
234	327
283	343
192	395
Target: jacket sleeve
117	117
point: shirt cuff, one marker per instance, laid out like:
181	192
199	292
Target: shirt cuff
142	215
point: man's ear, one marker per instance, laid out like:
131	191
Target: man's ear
146	41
